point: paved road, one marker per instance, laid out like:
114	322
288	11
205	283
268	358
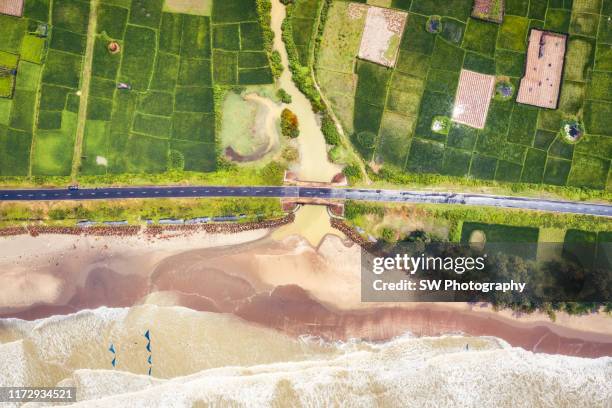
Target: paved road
309	192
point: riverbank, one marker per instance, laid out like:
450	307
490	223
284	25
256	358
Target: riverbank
287	284
313	164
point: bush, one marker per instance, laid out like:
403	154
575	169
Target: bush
273	174
289	124
352	173
388	234
283	96
276	64
290	154
330	131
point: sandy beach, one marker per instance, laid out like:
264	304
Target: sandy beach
275	279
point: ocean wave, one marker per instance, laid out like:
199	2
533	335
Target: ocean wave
216	359
384	377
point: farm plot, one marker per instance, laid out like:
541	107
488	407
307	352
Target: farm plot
37	123
515	142
239	53
509	239
302	21
170	62
165	120
382	35
336	58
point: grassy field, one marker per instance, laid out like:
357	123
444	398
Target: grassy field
37	126
336	60
303	20
166	122
457	223
389	112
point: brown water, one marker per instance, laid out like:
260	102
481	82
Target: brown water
312	222
313	164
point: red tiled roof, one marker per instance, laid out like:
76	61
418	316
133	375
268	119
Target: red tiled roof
542	81
473	98
11	7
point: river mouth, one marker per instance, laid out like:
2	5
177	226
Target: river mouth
251	123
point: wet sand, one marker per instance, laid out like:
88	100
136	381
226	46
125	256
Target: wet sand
287	284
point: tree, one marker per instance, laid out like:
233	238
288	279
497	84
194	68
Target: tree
289	124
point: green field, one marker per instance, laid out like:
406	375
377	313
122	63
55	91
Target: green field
503	237
389	112
303	19
166	121
37	139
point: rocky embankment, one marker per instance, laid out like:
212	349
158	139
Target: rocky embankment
149	230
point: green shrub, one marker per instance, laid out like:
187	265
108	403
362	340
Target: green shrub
330	131
276	64
283	96
352	173
388	234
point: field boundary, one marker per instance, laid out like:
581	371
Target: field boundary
84	89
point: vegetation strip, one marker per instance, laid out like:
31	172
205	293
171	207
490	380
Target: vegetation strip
84	89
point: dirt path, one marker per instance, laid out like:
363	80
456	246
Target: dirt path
85	80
